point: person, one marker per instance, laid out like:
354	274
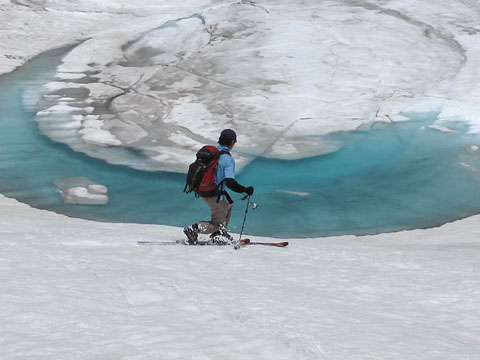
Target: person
221	203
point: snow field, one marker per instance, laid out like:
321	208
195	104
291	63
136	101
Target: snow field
84	290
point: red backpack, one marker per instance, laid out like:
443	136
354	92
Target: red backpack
201	173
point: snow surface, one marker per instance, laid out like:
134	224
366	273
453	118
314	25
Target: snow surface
74	289
282	74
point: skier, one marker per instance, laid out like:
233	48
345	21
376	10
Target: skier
221	203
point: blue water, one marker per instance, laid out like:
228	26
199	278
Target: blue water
387	178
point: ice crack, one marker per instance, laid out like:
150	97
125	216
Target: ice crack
220	82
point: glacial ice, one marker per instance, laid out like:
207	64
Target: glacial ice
281	79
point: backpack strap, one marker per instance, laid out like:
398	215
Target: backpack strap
224	152
224	192
227	196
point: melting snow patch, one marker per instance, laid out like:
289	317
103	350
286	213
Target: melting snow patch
81	195
442	128
297	193
70	76
81	190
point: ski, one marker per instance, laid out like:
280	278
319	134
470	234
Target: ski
182	242
276	244
243	242
158	243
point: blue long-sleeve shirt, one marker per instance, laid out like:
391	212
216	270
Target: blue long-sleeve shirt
226	166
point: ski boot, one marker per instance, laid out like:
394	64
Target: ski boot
192	234
221	237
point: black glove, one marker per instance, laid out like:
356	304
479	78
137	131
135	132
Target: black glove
249	190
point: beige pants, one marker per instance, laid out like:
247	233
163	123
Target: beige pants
221	212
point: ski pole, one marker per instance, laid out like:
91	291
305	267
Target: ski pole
245	216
